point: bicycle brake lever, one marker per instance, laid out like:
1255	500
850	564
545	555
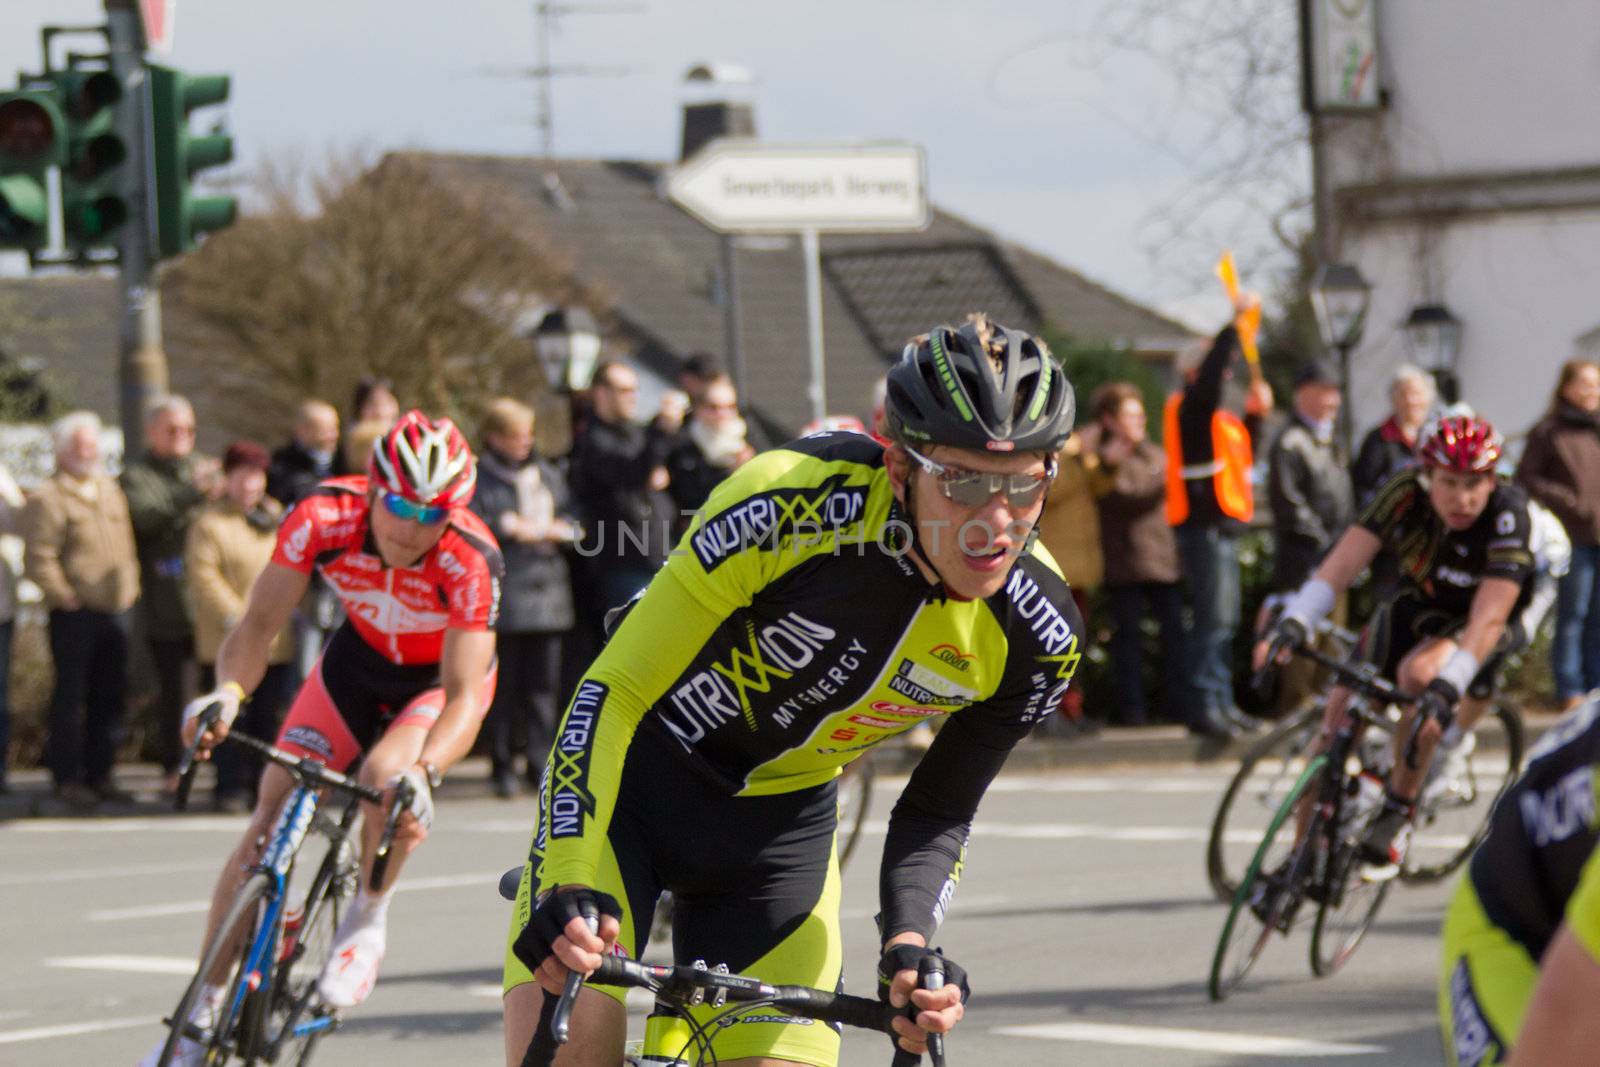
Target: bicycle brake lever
930	975
561	1021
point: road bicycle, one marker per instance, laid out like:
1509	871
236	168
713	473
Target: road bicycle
675	1038
1335	795
1453	810
271	954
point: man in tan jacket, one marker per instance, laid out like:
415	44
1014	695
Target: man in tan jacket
227	546
80	553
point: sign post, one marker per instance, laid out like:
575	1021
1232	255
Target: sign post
743	186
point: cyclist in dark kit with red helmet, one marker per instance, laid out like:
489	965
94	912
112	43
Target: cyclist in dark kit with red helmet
1460	538
403	684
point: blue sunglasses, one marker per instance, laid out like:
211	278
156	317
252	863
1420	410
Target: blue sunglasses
425	514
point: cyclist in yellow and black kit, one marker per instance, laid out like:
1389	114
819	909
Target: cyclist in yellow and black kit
832	594
1535	867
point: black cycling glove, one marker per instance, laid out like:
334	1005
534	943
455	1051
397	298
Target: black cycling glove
897	958
549	920
1438	702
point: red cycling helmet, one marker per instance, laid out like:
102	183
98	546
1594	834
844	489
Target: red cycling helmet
1463	443
426	461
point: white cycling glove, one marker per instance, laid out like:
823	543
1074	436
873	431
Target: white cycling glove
421	795
227	696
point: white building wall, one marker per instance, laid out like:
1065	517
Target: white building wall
1479	87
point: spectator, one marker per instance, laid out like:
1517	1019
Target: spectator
228	545
711	446
1210	503
1308	479
358	446
374	399
619	480
80	553
524	501
11	509
1069	526
698	371
1561	469
311	455
165	489
1390	446
1141	557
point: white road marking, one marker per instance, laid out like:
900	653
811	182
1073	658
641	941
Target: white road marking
127	964
108	873
957	903
46	1033
487	881
1145	834
202	825
1189	1040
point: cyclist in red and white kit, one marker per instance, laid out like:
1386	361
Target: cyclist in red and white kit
405	682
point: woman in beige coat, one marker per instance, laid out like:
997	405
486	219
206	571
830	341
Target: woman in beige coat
228	545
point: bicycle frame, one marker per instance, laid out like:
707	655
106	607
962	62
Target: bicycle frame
277	860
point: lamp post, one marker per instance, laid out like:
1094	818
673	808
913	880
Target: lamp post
1433	338
568	340
1340	296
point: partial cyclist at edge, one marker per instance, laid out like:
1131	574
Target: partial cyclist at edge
403	684
833	593
1461	539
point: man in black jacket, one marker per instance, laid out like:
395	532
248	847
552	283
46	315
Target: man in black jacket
1308	479
311	455
619	480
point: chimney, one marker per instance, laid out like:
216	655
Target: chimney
715	108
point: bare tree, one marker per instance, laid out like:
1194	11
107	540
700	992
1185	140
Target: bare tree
1235	124
355	271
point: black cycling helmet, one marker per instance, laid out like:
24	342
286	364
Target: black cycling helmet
979	386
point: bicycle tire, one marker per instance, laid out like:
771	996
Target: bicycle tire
855	799
1223	981
224	1043
1347	892
295	988
1293	736
1475	827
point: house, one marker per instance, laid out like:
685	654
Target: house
1476	186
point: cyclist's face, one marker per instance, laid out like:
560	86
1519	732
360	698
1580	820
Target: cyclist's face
1459	498
401	542
971	547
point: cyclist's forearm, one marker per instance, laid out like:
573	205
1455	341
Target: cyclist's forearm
923	857
451	738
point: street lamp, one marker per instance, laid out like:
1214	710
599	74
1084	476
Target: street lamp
1433	337
568	340
1340	295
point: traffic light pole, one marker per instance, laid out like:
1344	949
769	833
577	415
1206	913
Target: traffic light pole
142	366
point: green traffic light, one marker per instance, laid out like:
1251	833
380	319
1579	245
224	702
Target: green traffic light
32	139
181	216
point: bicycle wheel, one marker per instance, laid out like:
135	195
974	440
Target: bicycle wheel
1453	817
1265	775
1347	912
297	1021
855	798
237	1026
1251	921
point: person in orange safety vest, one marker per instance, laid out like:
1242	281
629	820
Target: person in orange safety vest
1209	504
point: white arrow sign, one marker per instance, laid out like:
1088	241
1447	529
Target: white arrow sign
755	187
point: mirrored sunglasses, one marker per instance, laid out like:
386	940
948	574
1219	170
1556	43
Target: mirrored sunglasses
971	489
425	514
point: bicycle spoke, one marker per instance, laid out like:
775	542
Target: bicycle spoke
1348	913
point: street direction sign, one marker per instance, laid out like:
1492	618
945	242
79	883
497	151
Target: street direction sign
745	186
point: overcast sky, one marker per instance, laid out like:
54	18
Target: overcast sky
1032	126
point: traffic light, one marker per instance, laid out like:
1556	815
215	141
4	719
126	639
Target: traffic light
180	155
94	193
32	139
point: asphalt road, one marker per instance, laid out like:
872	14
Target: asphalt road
1083	917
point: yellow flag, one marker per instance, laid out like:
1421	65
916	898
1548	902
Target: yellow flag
1247	322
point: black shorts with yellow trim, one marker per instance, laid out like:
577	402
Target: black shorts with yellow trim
754	882
1407	619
